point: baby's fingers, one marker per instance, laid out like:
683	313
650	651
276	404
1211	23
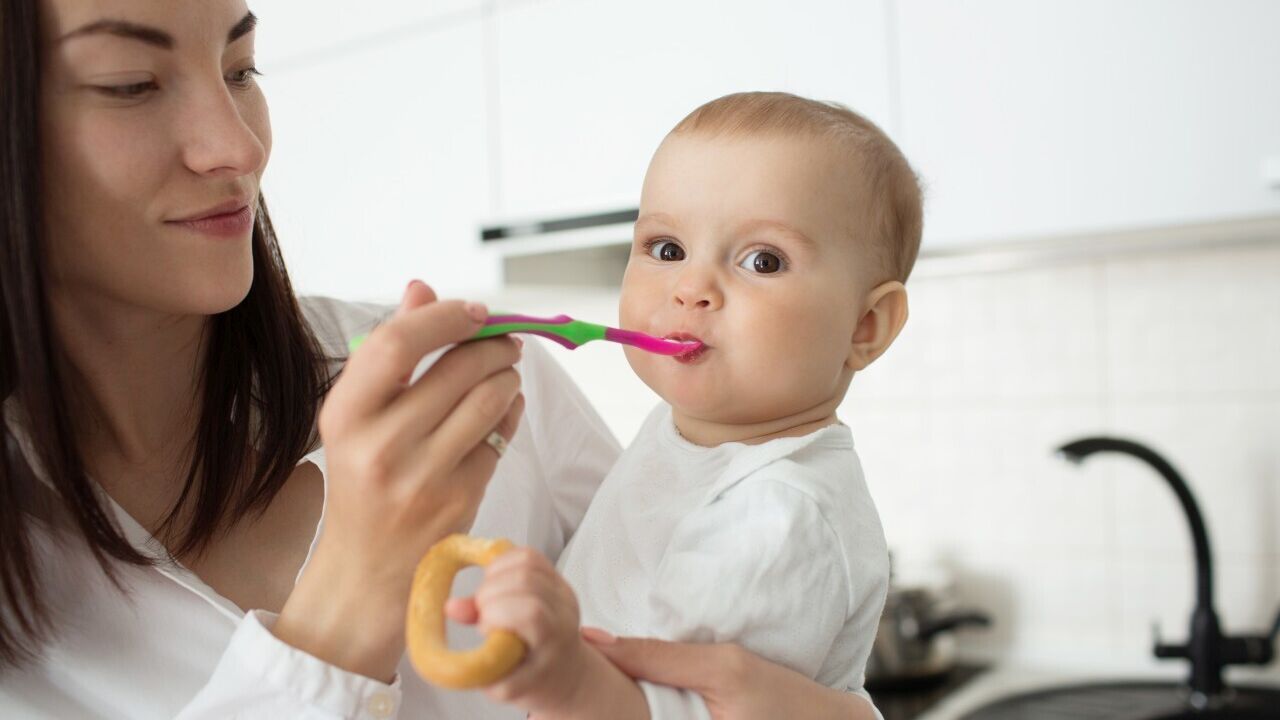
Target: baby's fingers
516	573
522	613
519	558
462	610
522	681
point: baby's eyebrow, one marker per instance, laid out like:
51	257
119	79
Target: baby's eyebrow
656	218
776	226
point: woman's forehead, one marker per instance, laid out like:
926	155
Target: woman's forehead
192	21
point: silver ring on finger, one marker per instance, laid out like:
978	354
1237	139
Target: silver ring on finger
497	442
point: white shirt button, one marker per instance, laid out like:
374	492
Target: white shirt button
381	705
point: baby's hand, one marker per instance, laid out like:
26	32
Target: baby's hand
523	593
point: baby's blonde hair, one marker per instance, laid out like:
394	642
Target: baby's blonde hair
894	205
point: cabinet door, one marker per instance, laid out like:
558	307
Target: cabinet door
294	32
379	172
1054	117
586	89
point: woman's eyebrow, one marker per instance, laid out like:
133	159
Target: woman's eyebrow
242	28
152	35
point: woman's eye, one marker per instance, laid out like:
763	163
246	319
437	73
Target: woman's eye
243	77
666	251
763	262
132	90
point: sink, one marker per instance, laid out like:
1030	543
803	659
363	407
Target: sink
1226	714
1128	701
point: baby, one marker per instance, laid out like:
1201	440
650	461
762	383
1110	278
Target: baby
778	231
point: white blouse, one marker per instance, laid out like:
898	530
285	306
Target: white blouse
173	647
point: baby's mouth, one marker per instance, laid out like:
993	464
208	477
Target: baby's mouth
695	353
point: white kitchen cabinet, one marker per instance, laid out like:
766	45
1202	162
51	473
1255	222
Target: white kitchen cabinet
1066	117
294	32
586	89
379	172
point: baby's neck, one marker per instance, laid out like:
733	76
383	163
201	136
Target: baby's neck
710	433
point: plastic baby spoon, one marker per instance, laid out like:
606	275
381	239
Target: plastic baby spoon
572	333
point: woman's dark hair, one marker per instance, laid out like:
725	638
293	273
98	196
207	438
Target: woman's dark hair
261	357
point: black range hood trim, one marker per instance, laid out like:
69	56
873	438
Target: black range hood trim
554	225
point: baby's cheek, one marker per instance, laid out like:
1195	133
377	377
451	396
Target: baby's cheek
642	364
801	362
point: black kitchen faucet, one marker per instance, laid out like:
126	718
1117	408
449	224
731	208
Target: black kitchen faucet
1207	648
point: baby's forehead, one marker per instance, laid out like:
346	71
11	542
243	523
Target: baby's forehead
819	198
824	161
769	168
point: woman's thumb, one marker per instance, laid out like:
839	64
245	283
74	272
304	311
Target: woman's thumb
417	294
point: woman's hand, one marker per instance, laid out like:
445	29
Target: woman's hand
734	682
407	465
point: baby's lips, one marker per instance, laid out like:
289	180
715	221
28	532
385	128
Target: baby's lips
683	337
692	343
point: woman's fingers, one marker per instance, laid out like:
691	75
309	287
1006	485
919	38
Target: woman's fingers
734	682
420	408
472	475
372	377
464	430
417	294
482	459
667	663
511	421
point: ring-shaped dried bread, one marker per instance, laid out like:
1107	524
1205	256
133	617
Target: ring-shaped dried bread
425	637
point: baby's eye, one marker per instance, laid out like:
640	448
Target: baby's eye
666	251
763	262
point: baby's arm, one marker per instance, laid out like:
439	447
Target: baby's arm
561	677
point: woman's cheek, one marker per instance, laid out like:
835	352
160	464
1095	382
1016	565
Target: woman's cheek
261	125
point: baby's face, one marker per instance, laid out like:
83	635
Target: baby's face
747	244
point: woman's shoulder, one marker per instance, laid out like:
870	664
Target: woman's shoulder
335	321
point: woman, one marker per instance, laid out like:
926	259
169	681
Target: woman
167	463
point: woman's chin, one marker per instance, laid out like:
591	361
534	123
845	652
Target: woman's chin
211	295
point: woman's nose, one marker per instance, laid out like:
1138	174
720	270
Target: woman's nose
696	289
220	142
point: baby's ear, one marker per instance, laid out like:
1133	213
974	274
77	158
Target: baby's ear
879	325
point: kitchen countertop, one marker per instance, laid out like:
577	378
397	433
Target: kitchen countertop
1002	681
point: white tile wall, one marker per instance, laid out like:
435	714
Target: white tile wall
1178	349
957	423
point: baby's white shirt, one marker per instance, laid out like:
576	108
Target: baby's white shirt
776	546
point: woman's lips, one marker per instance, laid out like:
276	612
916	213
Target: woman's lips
228	224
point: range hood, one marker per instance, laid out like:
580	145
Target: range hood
588	250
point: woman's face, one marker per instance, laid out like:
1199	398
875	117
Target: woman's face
154	138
